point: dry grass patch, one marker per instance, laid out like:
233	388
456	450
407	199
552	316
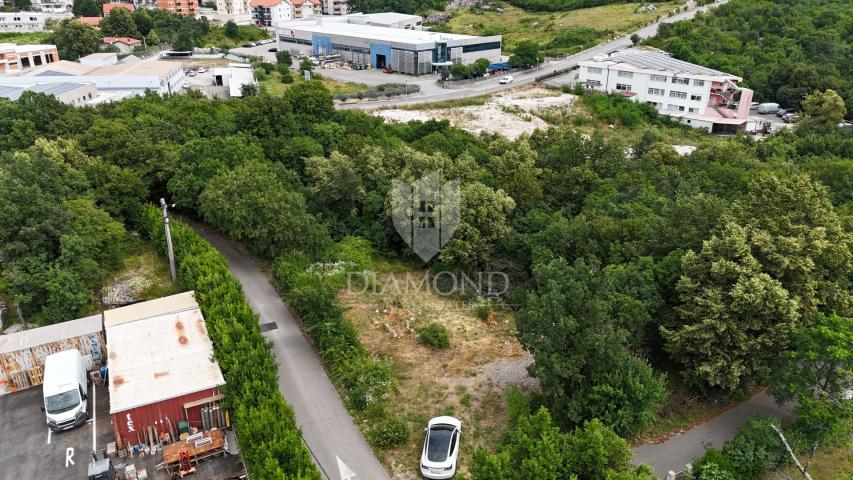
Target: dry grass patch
468	379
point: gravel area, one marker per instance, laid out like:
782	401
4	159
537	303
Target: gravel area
502	373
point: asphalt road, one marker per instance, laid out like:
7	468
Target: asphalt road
492	85
677	451
326	425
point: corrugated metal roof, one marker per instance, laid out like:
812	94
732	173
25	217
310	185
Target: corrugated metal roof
11	93
51	333
158	350
661	61
55	88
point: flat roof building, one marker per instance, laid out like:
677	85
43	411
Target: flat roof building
385	40
161	367
76	94
699	96
20	58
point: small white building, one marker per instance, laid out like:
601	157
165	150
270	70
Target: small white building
22	21
53	6
699	96
234	77
232	7
335	7
123	44
75	94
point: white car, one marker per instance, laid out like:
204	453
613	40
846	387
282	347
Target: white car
185	85
507	79
202	70
441	448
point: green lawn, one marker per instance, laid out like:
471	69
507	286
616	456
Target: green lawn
28	38
516	24
273	85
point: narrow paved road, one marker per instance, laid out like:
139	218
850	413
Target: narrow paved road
680	450
326	425
492	85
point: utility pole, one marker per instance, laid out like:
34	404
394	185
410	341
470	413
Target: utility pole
169	240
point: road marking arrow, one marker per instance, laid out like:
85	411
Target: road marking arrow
345	471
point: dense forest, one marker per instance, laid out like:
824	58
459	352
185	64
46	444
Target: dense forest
784	49
731	261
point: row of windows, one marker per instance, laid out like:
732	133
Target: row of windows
674	108
656	91
479	47
298	41
675	94
621	74
594	70
623	87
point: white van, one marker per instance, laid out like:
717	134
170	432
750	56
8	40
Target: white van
768	108
64	390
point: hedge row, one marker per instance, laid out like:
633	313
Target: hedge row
392	90
311	289
266	427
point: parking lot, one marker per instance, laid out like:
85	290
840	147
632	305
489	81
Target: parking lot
28	450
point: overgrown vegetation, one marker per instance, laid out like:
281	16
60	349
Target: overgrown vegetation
784	49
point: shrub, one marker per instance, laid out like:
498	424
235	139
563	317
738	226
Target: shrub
435	335
483	310
267	67
389	433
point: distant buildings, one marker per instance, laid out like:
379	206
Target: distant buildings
112	79
699	96
20	58
21	21
124	44
182	7
306	8
271	13
385	40
76	94
232	7
53	6
335	7
108	7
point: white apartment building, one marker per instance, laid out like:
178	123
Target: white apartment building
335	7
21	21
696	95
271	13
53	6
233	7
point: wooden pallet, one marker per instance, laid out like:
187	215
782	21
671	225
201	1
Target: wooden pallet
212	441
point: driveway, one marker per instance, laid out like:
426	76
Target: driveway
677	451
338	446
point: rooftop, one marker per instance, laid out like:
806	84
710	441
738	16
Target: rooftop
370	31
108	7
93	21
158	350
264	3
125	40
660	61
50	333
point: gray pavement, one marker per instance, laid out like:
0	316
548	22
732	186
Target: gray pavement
326	425
677	451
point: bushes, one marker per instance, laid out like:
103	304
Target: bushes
434	335
271	442
389	433
617	109
384	90
311	289
755	450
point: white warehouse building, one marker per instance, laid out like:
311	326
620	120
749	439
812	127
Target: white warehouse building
699	96
385	40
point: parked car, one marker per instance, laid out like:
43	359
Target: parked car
185	85
272	50
782	111
766	108
192	73
754	106
506	79
791	118
441	448
202	70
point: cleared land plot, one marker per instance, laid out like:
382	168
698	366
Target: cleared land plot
509	113
467	380
517	25
273	84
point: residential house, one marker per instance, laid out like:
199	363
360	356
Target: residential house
108	7
181	7
21	22
306	8
91	21
124	44
335	7
53	6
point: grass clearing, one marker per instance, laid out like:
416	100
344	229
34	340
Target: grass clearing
274	87
516	24
145	276
467	380
24	38
834	464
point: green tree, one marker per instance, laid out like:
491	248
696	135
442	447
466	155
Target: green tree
86	8
526	55
584	362
184	41
153	38
258	203
249	90
231	30
735	319
480	67
143	21
284	58
119	23
22	5
635	39
460	71
305	65
823	111
483	216
74	39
